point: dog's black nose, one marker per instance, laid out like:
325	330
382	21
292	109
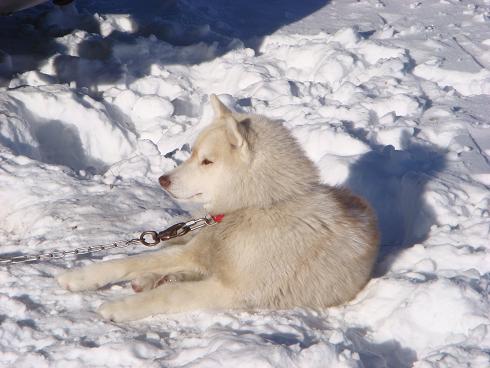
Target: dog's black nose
164	181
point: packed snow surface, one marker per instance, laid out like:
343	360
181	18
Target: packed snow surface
390	98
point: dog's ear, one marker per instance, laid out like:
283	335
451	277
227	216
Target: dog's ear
220	110
234	135
237	134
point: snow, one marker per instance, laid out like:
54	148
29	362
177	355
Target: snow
391	99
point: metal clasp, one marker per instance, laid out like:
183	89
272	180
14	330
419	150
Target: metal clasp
174	231
152	238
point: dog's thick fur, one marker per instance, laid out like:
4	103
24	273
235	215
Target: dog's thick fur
285	241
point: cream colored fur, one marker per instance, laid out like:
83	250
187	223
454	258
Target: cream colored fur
286	239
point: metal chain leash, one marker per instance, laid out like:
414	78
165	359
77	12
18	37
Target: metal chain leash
147	238
57	254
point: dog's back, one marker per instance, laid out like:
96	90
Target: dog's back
317	250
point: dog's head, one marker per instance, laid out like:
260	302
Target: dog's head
211	175
241	161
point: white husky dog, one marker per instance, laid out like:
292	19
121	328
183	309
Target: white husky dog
285	240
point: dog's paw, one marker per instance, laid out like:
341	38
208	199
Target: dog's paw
145	282
152	280
77	280
117	312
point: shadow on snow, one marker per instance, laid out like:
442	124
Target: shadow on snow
192	31
394	182
29	38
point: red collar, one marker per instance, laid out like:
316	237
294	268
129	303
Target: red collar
218	218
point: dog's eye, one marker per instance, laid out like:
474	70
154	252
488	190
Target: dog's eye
206	162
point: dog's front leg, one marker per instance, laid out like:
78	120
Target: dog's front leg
181	297
96	275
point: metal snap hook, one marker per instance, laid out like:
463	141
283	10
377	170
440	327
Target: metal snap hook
173	231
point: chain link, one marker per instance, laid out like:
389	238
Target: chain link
57	254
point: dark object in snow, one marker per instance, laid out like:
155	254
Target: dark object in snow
10	6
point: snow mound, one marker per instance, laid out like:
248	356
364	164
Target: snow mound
56	125
464	82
